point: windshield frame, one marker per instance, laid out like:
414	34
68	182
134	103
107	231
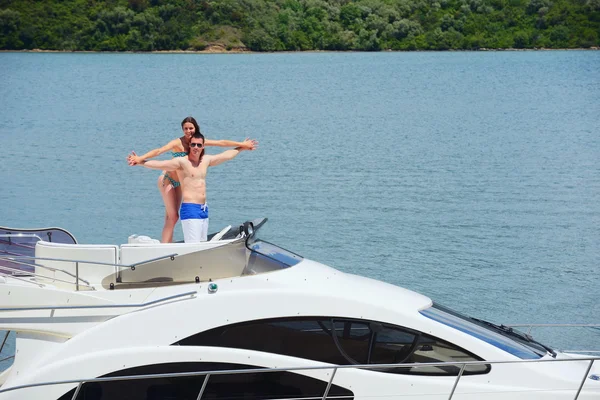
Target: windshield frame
277	254
497	337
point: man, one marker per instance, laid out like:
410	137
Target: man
192	174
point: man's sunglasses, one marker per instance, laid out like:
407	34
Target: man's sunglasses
199	145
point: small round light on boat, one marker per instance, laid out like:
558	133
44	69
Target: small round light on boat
212	288
594	377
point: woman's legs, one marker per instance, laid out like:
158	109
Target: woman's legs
172	199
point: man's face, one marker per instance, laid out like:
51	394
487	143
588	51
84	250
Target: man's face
196	146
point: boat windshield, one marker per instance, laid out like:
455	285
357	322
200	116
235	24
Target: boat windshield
21	242
266	256
503	337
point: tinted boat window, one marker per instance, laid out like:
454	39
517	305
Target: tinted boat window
391	345
353	338
427	349
341	341
472	327
254	386
308	339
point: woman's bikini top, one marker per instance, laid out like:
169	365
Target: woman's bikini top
180	153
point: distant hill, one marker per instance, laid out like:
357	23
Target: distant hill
284	25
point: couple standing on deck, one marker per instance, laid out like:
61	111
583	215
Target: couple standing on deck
184	178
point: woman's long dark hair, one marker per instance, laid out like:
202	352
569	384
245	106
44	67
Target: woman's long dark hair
191	120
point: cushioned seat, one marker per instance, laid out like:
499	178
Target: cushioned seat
93	273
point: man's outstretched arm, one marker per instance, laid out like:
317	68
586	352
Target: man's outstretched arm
224	156
165	165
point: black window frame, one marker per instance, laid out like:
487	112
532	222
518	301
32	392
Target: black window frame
213	338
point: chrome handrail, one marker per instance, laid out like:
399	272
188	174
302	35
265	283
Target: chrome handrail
2	348
585	375
15	259
11	235
33	264
4	341
530	326
17	235
567	325
38	275
21	279
335	368
326	389
581	351
10	253
460	374
92	262
100	306
7	358
40	230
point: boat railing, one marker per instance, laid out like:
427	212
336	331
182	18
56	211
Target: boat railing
462	365
188	265
13	259
7	249
529	327
50	234
29	247
124	305
190	294
10	236
2	348
78	281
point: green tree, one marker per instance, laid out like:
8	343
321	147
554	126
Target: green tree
521	40
10	27
274	25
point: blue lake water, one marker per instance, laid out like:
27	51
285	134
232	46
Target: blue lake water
471	177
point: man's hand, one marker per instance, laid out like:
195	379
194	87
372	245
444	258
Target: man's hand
133	159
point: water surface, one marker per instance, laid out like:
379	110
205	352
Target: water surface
471	177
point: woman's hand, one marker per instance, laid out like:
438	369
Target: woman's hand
249	144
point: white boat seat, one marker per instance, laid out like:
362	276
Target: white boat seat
92	273
133	253
126	254
222	259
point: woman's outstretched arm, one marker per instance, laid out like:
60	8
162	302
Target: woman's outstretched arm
248	144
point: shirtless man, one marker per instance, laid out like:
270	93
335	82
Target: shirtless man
192	172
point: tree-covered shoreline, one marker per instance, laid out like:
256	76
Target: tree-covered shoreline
298	25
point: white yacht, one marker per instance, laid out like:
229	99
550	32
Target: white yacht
238	317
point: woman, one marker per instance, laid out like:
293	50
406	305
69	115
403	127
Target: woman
168	182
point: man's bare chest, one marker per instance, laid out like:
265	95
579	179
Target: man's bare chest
196	172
